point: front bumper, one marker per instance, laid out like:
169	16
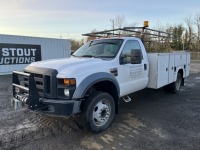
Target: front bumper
29	96
52	106
60	107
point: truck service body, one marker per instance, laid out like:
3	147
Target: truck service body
94	78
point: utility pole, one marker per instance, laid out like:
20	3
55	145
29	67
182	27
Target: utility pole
113	23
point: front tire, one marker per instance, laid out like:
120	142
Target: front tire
99	110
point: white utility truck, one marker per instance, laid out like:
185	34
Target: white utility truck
98	75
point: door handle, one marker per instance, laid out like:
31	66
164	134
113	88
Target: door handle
145	66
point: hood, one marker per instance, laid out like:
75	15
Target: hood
69	65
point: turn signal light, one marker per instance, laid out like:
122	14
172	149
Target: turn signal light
70	82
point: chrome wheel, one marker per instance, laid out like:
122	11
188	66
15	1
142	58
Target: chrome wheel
101	112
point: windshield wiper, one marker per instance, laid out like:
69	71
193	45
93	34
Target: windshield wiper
91	56
103	56
103	43
87	56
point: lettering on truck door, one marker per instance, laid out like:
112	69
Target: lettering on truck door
132	77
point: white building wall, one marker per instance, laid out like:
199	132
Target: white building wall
50	49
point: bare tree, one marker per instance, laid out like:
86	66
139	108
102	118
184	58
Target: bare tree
197	24
133	24
75	44
189	22
120	21
159	26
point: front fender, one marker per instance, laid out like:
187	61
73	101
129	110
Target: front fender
91	80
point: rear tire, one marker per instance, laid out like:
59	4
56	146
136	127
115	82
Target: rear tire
99	110
175	86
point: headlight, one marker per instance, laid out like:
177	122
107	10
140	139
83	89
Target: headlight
66	92
66	87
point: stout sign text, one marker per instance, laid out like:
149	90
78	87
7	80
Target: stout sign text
19	53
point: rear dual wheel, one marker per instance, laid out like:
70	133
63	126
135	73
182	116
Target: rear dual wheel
175	86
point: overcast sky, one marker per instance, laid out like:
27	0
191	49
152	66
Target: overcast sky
69	19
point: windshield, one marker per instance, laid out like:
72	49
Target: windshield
106	48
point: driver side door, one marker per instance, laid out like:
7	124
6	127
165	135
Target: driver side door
132	75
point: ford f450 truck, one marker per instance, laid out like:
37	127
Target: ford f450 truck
96	77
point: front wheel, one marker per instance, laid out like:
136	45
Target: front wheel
99	110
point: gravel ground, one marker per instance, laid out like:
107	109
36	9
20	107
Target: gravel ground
152	120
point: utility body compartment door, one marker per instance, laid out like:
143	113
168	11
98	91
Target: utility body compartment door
162	70
187	69
171	68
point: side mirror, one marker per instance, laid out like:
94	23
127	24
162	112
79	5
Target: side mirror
123	59
136	56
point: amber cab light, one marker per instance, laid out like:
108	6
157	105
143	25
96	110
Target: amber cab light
146	23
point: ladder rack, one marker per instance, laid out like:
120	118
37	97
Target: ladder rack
150	37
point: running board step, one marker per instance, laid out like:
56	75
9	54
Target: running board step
126	98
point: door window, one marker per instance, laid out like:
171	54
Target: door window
127	51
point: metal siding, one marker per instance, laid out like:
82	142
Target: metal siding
50	49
